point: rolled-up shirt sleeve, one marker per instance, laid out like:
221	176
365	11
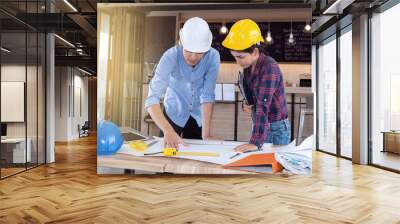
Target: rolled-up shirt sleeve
208	91
159	83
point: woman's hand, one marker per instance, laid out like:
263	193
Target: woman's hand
245	147
248	109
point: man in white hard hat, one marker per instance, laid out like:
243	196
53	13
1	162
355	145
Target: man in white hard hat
186	74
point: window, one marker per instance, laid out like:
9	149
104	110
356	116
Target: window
385	86
327	96
22	76
346	93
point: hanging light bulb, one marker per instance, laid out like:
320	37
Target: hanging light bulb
307	27
223	29
291	40
268	38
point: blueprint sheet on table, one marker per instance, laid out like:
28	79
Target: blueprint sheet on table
223	148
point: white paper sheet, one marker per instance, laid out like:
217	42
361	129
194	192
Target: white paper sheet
297	162
224	148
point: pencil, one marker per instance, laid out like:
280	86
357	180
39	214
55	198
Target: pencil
234	155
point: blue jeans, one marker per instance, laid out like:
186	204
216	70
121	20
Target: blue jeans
279	132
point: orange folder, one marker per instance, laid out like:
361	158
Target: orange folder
257	160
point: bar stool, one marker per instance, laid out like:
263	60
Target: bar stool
307	111
148	120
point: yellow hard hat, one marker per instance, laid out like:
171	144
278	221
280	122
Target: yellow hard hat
242	35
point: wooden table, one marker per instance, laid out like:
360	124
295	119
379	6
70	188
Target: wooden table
164	165
18	154
391	141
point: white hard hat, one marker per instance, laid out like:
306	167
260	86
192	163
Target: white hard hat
195	35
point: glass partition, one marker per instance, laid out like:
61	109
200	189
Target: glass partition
327	96
14	153
22	64
346	94
385	89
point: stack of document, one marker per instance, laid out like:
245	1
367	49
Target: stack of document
296	162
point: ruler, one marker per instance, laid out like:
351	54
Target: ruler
175	152
209	154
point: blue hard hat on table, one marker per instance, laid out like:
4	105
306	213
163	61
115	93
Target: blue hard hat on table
109	138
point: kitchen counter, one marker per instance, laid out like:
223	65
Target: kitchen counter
298	90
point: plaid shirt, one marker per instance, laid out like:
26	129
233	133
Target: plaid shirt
268	95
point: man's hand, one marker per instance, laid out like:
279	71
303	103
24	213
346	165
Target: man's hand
248	109
245	147
172	139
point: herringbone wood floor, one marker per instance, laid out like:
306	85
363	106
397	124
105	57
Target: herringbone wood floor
70	191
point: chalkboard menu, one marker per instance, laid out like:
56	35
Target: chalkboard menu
280	50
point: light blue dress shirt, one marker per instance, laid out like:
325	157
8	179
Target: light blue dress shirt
185	87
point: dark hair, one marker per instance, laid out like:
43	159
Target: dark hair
261	47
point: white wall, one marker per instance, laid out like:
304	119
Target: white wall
61	103
12	101
81	83
14	73
69	82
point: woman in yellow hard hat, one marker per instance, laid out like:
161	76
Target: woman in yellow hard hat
263	86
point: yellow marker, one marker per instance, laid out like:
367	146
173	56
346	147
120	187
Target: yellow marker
138	145
174	152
